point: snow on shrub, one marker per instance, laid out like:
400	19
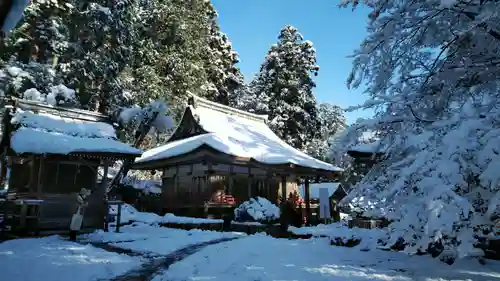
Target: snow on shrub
34	95
340	235
257	209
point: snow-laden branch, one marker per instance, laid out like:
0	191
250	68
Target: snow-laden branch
135	117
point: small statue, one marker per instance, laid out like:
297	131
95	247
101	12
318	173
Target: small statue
77	219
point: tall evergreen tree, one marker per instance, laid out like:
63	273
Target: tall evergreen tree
224	79
126	52
41	35
29	52
283	88
181	49
84	43
332	121
103	36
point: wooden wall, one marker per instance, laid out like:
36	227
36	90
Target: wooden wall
57	183
35	176
192	185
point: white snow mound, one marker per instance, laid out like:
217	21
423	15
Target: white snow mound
259	209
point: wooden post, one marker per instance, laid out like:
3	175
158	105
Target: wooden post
308	200
22	218
3	168
283	189
104	187
118	217
33	182
39	181
267	187
198	185
104	181
230	179
176	181
249	183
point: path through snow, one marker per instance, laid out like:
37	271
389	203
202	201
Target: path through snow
148	270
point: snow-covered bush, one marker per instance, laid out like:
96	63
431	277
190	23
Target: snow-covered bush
257	209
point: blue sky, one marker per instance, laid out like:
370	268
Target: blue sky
253	26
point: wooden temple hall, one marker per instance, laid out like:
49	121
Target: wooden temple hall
218	152
48	154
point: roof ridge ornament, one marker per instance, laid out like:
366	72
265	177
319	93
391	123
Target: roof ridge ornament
191	101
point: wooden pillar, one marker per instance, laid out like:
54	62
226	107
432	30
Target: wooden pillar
3	168
39	181
249	183
102	191
104	181
267	188
118	218
230	180
176	181
283	189
308	200
33	180
199	181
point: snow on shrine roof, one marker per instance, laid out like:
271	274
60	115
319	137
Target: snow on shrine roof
368	143
373	147
237	135
45	133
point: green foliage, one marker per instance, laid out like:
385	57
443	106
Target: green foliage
283	89
129	52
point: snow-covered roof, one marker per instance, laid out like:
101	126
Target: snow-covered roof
47	133
373	147
368	142
236	133
314	189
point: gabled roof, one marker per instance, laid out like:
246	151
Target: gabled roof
233	132
41	129
368	145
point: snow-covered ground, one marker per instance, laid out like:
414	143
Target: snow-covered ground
251	257
260	257
143	238
54	259
57	259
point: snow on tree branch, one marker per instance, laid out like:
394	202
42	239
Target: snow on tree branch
36	82
432	74
132	118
